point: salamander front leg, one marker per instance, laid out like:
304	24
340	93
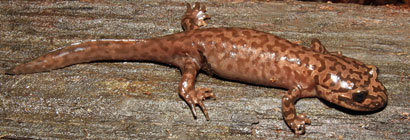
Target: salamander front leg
189	93
318	47
295	122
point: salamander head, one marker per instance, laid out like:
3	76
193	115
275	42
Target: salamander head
355	88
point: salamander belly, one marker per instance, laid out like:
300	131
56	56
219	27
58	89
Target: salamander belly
259	58
250	66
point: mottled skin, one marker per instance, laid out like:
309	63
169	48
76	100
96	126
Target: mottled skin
237	54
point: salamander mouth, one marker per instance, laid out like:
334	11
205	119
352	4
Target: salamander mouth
374	105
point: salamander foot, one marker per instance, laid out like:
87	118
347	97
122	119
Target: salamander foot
196	97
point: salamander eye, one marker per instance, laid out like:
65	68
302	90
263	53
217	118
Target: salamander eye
359	96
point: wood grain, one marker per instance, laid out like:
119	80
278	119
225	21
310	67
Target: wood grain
138	100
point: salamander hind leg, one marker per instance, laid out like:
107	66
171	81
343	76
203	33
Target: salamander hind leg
194	17
295	122
193	96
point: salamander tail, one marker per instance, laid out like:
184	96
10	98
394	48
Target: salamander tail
96	50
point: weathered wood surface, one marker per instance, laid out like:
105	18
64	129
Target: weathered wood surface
139	100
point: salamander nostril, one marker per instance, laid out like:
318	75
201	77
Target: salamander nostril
359	96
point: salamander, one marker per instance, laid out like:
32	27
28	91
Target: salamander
237	54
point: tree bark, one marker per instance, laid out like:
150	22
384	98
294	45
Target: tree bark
105	100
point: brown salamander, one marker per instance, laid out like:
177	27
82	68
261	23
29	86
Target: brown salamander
237	54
